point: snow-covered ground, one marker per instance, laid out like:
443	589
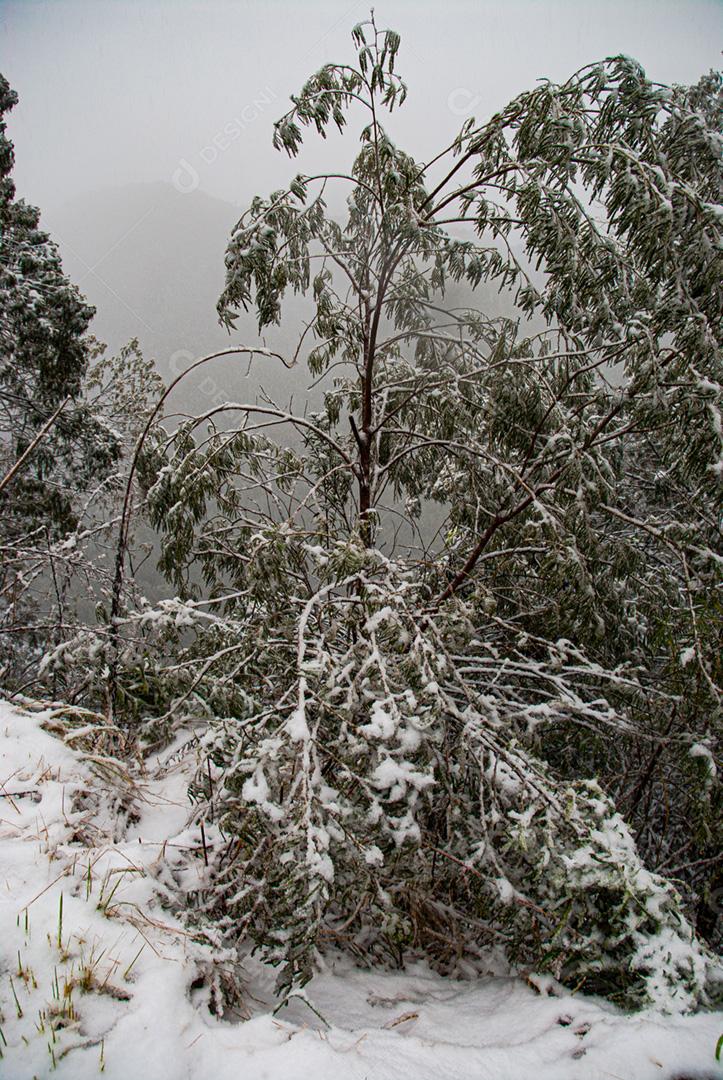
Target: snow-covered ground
97	974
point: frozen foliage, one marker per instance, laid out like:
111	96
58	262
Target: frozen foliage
44	353
66	416
375	788
399	727
450	644
97	974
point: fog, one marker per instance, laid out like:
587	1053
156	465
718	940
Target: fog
113	92
143	128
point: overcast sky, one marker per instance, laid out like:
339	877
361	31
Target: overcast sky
114	92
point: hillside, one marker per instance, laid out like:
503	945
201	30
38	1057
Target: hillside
107	857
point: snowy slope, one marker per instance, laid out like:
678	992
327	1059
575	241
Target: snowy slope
96	972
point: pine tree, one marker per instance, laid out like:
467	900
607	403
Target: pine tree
43	357
66	417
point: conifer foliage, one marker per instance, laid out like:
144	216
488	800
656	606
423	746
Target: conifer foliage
44	353
67	415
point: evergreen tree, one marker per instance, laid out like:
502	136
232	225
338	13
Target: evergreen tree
66	417
43	358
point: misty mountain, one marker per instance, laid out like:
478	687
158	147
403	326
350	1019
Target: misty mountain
151	261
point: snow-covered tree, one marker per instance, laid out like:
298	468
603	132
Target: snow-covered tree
67	414
44	355
431	627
